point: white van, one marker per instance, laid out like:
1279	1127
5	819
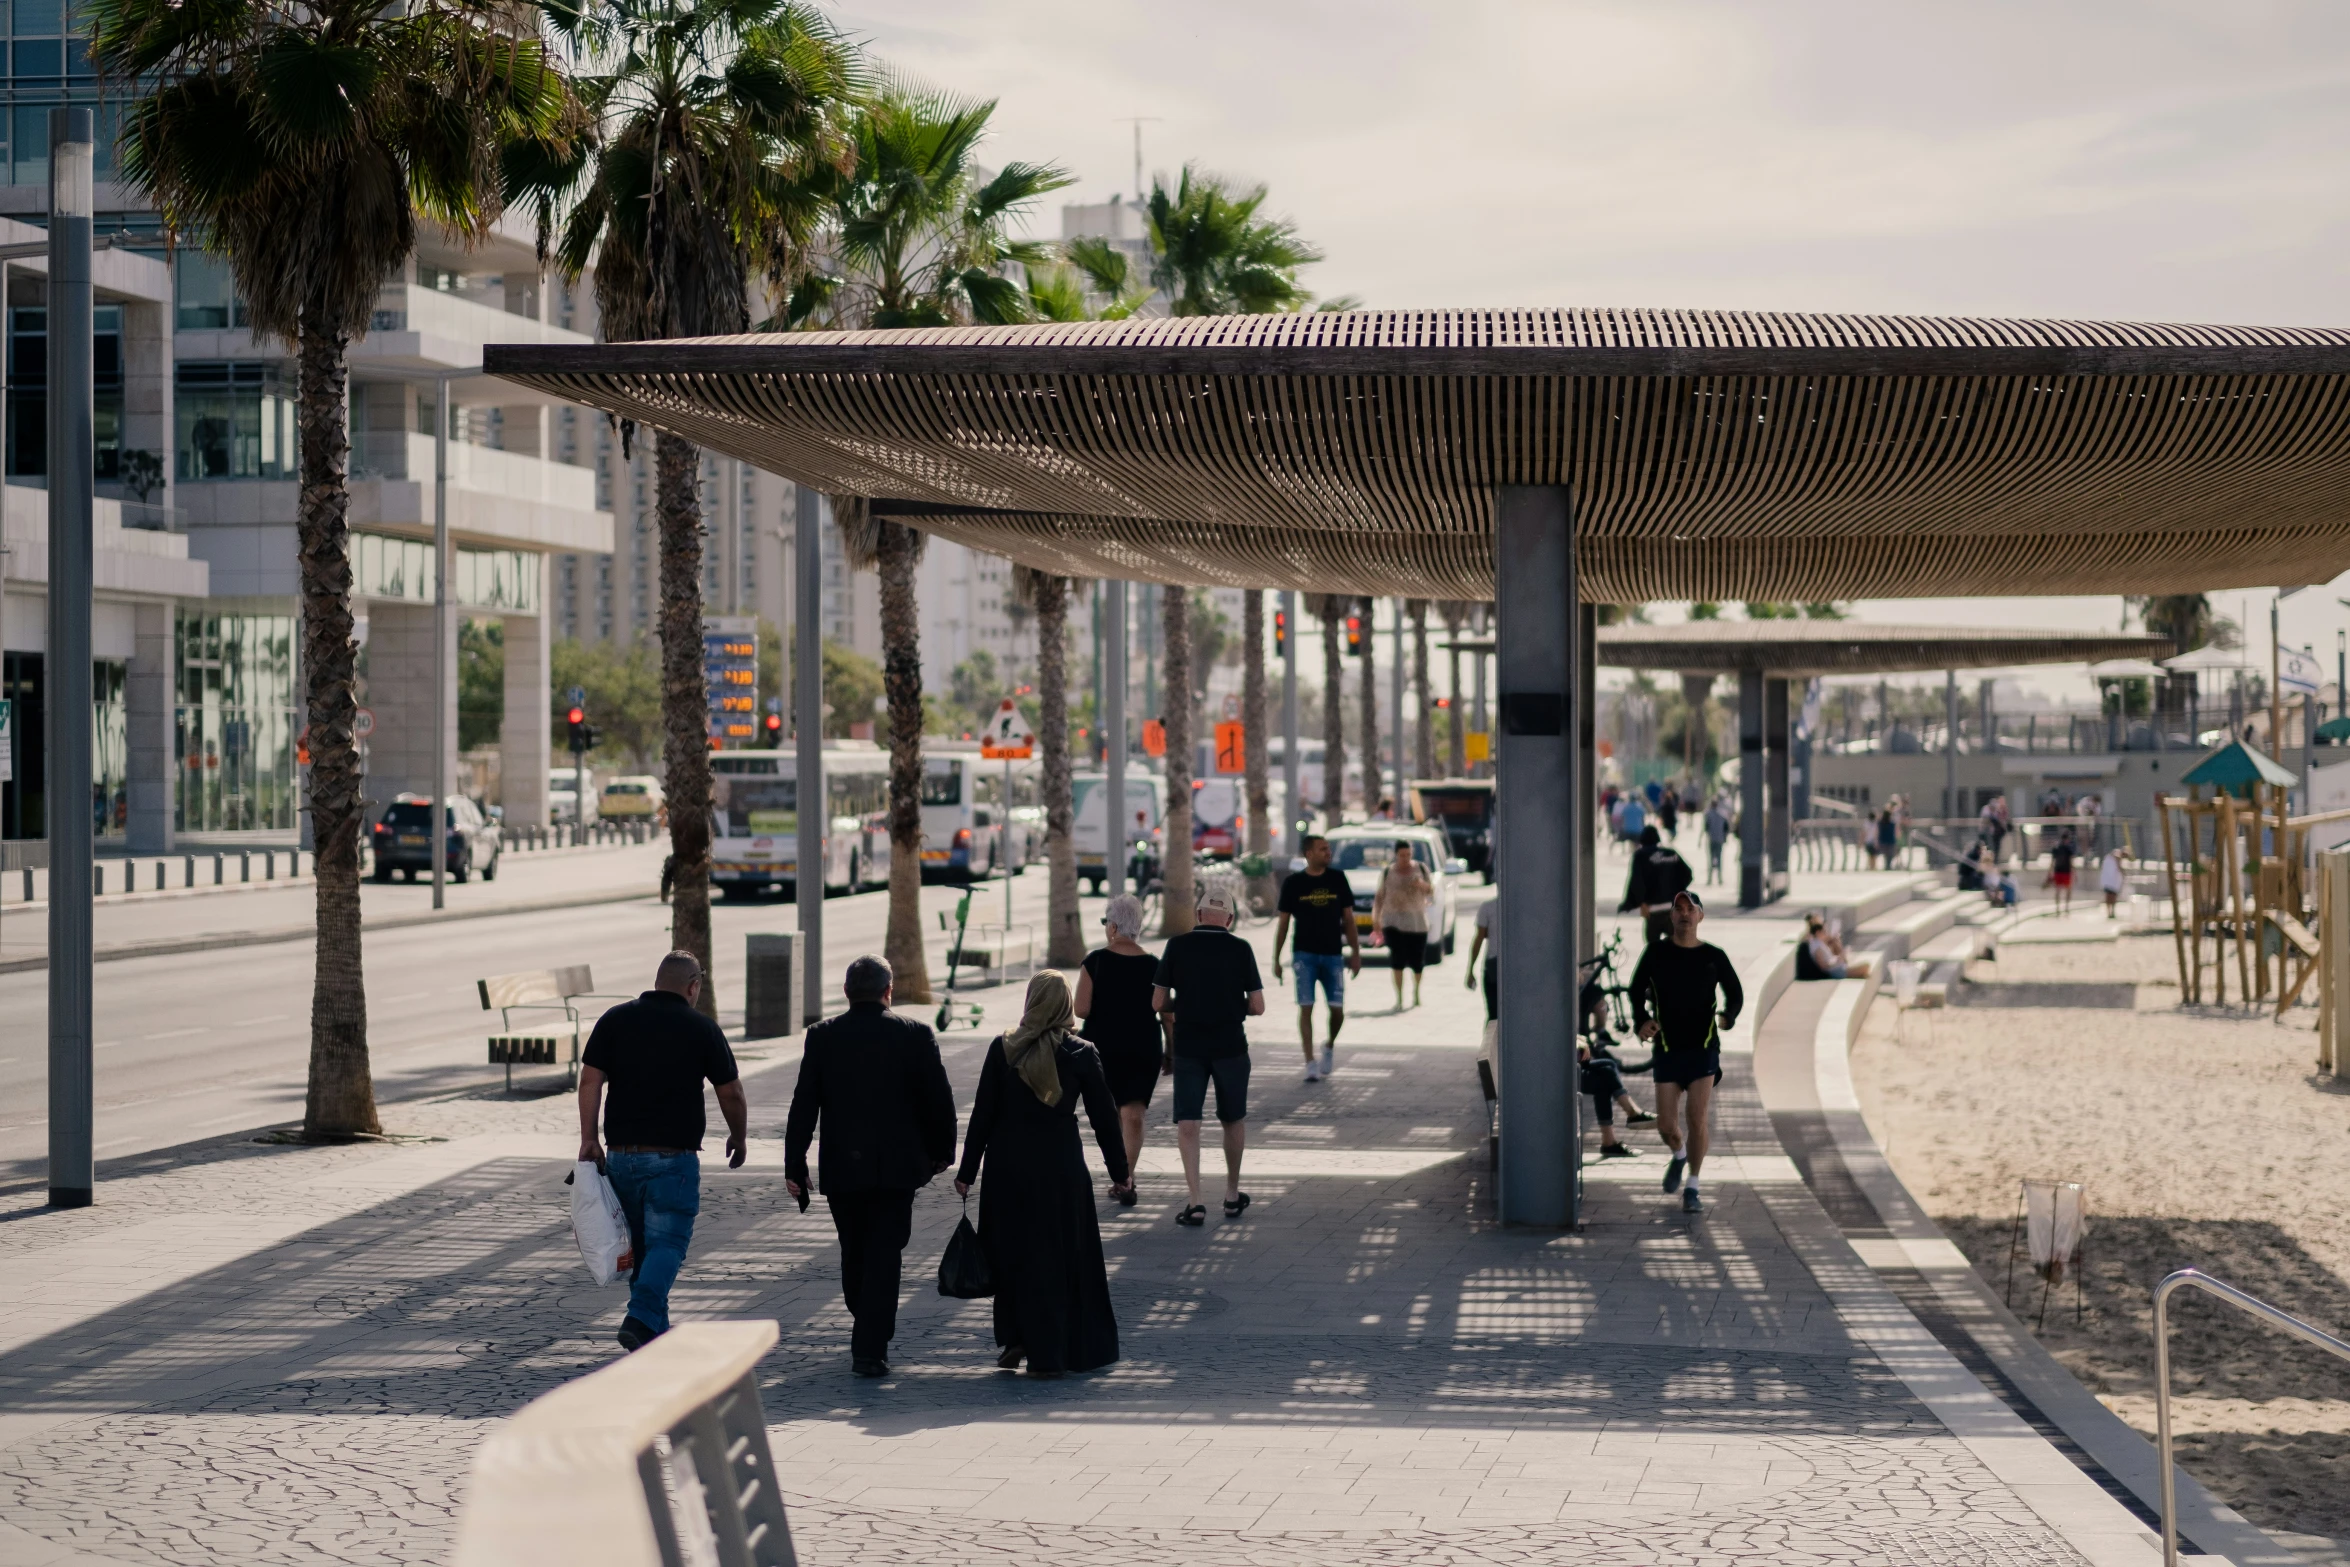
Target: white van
1146	809
567	787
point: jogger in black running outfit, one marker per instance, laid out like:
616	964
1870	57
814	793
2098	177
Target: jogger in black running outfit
1684	994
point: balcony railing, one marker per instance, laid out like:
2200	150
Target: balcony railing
483	470
429	312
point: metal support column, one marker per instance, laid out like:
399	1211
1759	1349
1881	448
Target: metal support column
1114	730
443	583
1534	554
1477	719
1752	812
72	1136
1780	801
1292	806
1950	744
807	552
1395	684
1587	796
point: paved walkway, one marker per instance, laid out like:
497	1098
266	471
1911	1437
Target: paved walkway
287	1355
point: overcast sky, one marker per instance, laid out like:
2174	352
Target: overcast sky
2125	159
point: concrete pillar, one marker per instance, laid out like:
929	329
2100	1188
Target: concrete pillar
1780	802
1587	796
1752	812
526	727
1534	577
1950	743
400	695
152	776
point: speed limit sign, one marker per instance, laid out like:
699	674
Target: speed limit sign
364	724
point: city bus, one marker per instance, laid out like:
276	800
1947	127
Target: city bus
968	829
754	820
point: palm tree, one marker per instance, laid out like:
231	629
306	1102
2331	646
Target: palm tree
1424	750
921	241
718	131
1252	739
305	144
1330	609
1175	864
1374	774
1456	614
1048	595
1212	255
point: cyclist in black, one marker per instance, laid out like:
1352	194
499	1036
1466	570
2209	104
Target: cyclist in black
1684	994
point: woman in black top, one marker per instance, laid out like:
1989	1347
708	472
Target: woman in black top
1114	998
1036	1218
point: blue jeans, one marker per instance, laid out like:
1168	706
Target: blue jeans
660	1193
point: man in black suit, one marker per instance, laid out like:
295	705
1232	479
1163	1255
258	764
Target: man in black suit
875	1083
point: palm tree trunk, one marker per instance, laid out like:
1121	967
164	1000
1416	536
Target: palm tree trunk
1333	714
341	1099
1252	736
1065	938
1423	744
1374	776
1456	729
685	701
899	548
1175	872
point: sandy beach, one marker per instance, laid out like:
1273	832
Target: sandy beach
2206	1138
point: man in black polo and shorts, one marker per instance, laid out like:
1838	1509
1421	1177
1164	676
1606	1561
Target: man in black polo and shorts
1684	994
1207	988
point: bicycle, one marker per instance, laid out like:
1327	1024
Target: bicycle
1603	999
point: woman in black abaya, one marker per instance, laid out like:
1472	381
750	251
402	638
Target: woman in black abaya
1036	1215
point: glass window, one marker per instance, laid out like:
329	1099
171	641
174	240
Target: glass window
236	723
236	421
39	57
206	293
943	787
39	18
29	143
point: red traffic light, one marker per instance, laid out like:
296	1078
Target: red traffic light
577	715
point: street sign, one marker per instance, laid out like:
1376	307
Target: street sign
1007	736
579	696
1479	747
363	723
1154	737
730	677
1231	747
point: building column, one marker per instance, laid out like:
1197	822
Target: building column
148	709
1780	802
1950	744
1587	771
1534	579
526	744
1752	813
400	696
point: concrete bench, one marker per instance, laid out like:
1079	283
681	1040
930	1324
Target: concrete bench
555	990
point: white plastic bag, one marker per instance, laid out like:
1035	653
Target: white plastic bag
597	1222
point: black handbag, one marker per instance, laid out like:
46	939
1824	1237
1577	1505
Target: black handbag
962	1271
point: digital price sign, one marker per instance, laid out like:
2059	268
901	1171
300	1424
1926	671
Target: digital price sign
730	674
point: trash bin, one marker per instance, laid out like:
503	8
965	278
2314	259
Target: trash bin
770	1005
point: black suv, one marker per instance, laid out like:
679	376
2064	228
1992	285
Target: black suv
403	839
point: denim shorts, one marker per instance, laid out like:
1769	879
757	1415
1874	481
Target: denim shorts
1328	969
1230	1073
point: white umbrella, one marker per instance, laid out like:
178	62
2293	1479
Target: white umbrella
2125	669
2204	659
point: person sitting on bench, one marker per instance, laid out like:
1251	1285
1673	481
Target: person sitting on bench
1822	955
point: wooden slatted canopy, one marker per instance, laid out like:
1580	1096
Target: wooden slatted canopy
1802	648
1716	455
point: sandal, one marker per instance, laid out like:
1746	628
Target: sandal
1010	1359
1128	1198
1233	1205
1195	1216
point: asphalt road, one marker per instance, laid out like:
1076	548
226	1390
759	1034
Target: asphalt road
198	1044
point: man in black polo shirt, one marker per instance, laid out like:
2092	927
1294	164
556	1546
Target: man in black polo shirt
1207	986
654	1053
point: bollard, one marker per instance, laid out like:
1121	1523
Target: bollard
269	865
130	875
244	865
768	1008
219	868
98	881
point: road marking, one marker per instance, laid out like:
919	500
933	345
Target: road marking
248	1022
180	1033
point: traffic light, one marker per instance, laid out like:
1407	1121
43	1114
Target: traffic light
579	728
1354	636
1280	632
774	729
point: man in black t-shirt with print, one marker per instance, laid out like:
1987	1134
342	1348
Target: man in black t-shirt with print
654	1053
1322	901
1207	988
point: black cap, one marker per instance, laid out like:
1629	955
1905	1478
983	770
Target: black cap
1650	838
1691	894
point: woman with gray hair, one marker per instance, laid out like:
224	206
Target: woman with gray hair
1114	998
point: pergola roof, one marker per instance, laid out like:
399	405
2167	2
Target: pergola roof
1714	455
1853	647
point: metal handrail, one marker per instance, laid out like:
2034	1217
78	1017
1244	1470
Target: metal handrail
2234	1297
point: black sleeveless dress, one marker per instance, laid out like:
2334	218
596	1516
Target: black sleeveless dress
1121	1024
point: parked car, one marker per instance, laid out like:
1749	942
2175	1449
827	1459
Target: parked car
402	840
631	797
1363	852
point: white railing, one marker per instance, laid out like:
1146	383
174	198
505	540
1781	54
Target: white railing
484	470
659	1457
404	307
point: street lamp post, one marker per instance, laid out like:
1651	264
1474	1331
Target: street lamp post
810	802
1290	802
1114	732
72	1161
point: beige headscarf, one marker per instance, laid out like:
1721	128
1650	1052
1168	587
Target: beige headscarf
1031	1048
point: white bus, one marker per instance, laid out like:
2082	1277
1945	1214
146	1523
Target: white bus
754	820
967	829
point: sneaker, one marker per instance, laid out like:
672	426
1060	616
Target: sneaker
869	1368
1638	1118
1673	1172
1691	1203
1313	1070
634	1335
1329	1062
1617	1151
